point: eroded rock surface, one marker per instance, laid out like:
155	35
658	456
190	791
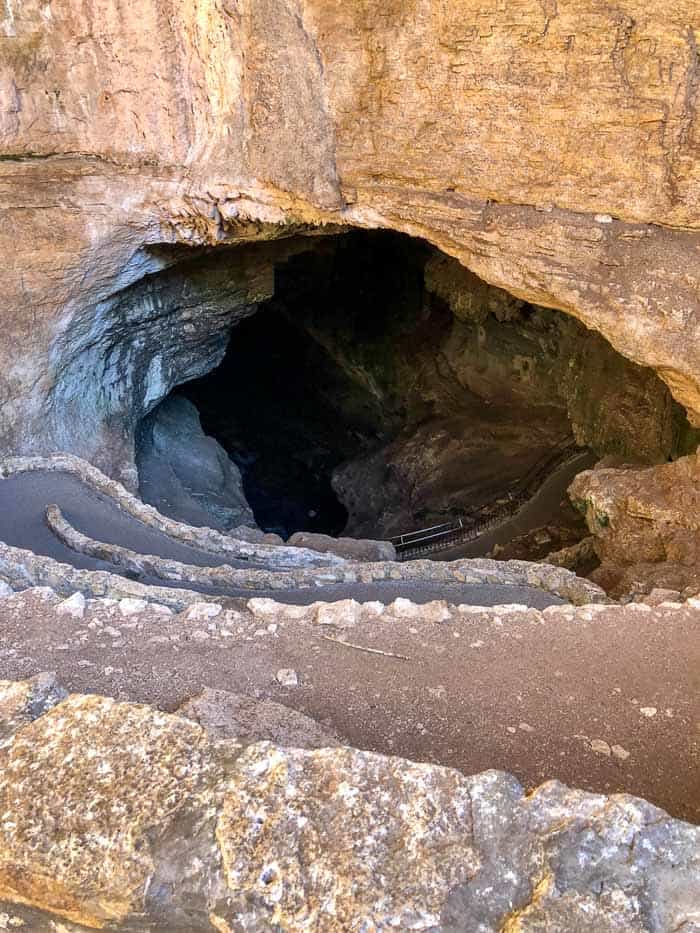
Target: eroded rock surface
645	524
22	702
146	824
186	474
462	125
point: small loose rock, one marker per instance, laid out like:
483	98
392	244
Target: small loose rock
287	678
129	606
74	606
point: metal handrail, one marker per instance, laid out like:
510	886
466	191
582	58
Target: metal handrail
448	526
408	544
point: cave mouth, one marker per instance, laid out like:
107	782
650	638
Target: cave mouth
275	404
384	388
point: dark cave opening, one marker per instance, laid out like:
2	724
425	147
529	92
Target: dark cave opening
283	406
383	388
269	408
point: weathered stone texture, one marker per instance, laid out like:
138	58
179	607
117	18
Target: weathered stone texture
79	843
116	816
645	524
22	702
187	474
508	135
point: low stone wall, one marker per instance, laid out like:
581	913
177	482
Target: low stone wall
22	570
207	539
555	580
212	835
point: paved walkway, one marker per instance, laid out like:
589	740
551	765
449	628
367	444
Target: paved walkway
23	501
543	508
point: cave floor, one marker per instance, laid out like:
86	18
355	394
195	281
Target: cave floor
522	696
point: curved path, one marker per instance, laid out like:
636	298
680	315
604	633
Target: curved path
24	498
542	508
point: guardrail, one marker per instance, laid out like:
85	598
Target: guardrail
464	529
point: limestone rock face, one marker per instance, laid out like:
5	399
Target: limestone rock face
22	702
466	125
187	475
645	523
505	350
119	817
118	360
118	773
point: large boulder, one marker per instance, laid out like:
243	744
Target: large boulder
117	816
645	522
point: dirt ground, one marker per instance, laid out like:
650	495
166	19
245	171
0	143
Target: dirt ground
609	701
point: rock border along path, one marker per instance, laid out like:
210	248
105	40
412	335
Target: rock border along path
207	539
22	568
561	583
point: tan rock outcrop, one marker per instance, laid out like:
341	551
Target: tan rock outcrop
551	148
78	844
645	523
23	701
119	817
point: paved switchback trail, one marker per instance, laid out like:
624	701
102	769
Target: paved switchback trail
604	700
24	498
541	509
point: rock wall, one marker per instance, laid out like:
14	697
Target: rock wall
116	360
186	474
509	351
452	389
645	523
127	125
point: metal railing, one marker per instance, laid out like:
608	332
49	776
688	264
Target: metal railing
464	529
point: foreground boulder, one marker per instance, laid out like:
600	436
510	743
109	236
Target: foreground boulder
645	522
117	816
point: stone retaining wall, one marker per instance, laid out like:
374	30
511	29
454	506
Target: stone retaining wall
555	580
205	538
22	569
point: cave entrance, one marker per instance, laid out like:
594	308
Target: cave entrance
384	388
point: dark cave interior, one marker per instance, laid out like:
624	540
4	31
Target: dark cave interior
384	388
286	410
